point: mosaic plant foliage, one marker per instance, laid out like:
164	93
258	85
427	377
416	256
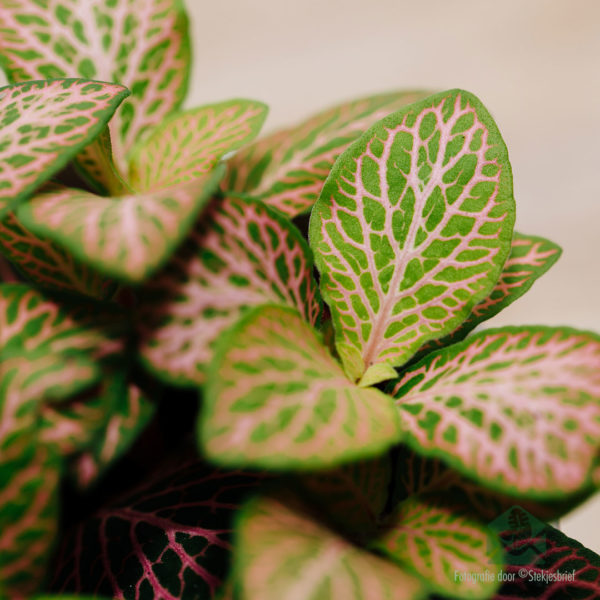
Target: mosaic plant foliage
434	542
288	168
411	230
31	321
562	568
170	539
530	257
142	45
282	551
516	408
240	254
189	144
46	264
276	398
127	238
43	124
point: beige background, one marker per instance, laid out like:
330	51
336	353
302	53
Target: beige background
534	63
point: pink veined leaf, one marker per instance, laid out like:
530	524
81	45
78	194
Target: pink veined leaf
31	321
142	45
559	567
30	469
283	551
43	124
517	409
275	398
46	264
241	254
530	257
411	230
127	238
433	542
287	169
189	144
170	539
7	273
130	413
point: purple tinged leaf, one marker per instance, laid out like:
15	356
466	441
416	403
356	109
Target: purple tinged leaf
435	543
142	45
411	230
43	124
127	238
564	569
170	539
46	264
189	144
283	551
240	254
275	398
517	409
287	169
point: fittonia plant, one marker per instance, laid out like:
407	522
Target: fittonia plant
354	437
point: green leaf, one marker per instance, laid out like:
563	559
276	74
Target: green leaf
46	264
530	257
436	544
275	398
43	124
241	253
517	409
170	538
127	238
282	551
287	169
189	144
412	228
142	45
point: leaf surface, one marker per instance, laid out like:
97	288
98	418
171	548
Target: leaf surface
563	569
48	265
282	551
170	539
411	230
518	409
126	237
530	257
276	398
189	144
142	45
288	168
436	544
43	124
240	254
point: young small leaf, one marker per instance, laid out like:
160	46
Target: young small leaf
48	265
288	168
240	254
436	544
276	398
169	539
43	124
190	143
518	409
282	551
143	45
412	228
127	238
530	257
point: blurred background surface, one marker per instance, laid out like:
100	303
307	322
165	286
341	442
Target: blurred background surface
534	64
